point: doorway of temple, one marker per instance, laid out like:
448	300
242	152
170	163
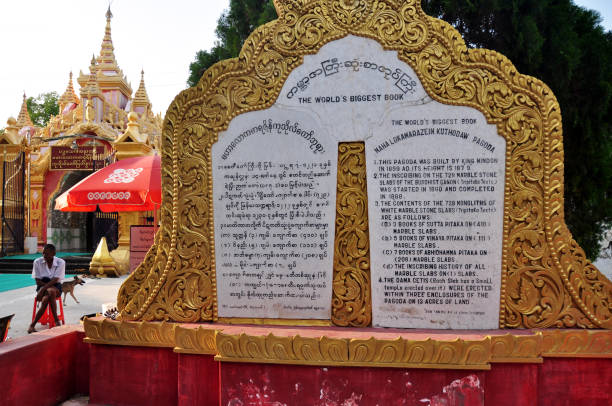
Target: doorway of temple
79	231
100	225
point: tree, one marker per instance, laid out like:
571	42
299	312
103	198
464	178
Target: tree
553	40
565	46
233	28
43	107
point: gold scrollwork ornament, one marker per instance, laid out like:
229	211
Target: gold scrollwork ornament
546	279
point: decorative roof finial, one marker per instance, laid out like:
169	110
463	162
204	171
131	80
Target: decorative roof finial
141	98
69	95
91	87
106	59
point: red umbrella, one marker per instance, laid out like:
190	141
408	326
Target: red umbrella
132	184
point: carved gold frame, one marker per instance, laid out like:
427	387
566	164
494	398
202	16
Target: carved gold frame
546	279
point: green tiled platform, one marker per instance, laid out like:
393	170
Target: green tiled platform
10	281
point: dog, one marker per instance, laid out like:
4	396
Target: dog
68	287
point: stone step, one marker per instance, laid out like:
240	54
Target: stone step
78	264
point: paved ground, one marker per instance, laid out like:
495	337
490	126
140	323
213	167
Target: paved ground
92	295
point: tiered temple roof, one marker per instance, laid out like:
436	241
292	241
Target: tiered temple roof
105	99
108	74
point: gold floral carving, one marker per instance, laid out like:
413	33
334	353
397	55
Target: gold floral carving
107	331
195	340
517	348
430	352
95	128
546	279
577	343
400	353
351	300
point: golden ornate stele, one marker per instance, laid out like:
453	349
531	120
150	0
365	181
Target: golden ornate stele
546	279
318	348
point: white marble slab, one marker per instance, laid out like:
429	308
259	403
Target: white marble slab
274	194
435	193
435	187
349	85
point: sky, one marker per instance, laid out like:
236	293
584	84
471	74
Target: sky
41	41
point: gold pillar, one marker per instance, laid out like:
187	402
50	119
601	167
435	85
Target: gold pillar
35	207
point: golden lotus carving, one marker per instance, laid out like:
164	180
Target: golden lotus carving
546	279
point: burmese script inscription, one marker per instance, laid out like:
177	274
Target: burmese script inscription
274	201
350	85
435	184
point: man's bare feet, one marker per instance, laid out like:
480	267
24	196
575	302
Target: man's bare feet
31	329
57	323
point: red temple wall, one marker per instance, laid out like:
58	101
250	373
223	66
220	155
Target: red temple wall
181	379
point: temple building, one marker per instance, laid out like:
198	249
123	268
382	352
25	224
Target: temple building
106	119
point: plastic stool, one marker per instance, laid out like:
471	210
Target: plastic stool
47	317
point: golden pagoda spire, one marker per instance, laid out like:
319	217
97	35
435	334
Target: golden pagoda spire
69	95
91	88
106	60
92	65
23	119
141	98
83	79
110	76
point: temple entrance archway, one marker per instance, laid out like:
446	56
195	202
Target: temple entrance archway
78	231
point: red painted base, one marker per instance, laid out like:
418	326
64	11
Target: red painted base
557	382
297	385
143	376
45	368
49	367
152	376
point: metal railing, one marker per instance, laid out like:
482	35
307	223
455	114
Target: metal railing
13	208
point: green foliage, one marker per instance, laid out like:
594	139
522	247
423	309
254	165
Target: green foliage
233	28
553	40
43	107
564	46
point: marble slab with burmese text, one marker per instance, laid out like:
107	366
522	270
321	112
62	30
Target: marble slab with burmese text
435	196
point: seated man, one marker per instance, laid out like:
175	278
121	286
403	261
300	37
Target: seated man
49	272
